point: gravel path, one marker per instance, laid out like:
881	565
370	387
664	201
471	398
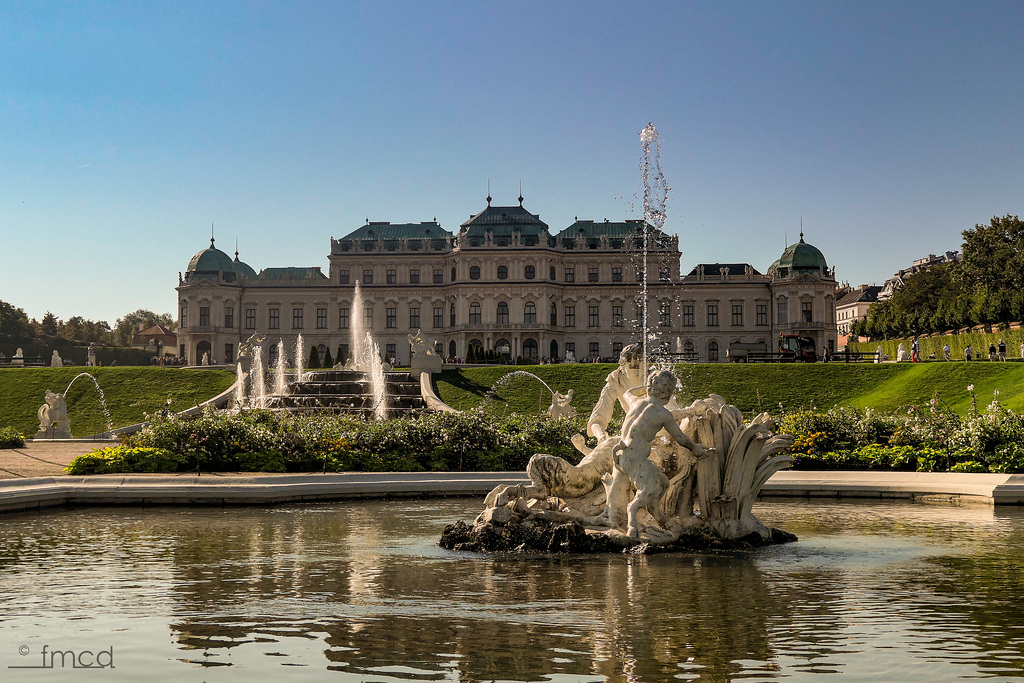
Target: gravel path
42	458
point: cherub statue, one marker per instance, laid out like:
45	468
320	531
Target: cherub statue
560	405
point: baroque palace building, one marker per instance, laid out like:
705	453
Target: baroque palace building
505	283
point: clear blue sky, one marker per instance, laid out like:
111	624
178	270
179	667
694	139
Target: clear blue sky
129	127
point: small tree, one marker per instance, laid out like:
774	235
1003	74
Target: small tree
328	361
314	359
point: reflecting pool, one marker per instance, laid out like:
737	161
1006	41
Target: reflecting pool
360	592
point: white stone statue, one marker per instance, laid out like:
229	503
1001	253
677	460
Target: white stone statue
91	361
560	405
55	360
706	456
628	375
901	353
879	356
53	418
18	358
423	357
633	468
206	358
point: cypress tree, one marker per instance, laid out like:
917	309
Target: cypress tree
328	361
314	359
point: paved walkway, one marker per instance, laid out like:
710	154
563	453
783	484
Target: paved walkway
33	479
42	458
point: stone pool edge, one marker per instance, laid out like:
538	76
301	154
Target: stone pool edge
262	489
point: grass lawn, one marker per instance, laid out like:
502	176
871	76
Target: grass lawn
130	393
755	387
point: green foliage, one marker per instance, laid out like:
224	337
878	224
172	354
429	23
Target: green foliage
314	359
124	459
11	438
14	325
260	440
328	361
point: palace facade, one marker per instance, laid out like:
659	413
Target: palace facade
504	282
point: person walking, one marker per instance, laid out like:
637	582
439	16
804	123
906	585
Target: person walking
915	351
945	351
991	352
968	352
1002	350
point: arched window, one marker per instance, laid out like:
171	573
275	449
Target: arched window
531	272
451	349
201	348
552	272
474	272
503	348
474	314
530	349
502	313
502	272
530	313
712	351
451	315
688	348
272	355
477	345
554	314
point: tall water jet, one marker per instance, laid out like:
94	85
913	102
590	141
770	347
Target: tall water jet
257	384
299	357
239	385
358	332
374	366
655	199
280	382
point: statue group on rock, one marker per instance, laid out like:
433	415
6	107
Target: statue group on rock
648	482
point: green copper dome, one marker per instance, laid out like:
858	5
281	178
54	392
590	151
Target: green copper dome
243	268
800	258
211	260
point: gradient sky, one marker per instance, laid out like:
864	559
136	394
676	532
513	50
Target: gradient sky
128	128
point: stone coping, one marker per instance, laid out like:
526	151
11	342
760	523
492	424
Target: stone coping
262	489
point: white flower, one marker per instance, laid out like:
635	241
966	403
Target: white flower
970	387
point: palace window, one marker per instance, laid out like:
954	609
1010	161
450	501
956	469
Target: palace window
321	318
593	316
438	316
616	316
592	274
438	276
712	351
502	272
783	309
530	313
806	308
737	315
343	318
762	314
229	353
204	316
392	276
616	274
570	275
595	350
414	276
297	318
451	314
391	318
688	315
250	318
554	315
502	313
665	314
474	313
343	277
570	316
570	349
368	317
552	273
275	319
531	272
712	315
474	272
368	277
414	317
616	349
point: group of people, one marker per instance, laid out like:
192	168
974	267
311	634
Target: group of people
995	351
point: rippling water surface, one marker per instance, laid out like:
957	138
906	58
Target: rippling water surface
360	592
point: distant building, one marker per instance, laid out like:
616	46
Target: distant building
898	280
852	306
156	338
504	283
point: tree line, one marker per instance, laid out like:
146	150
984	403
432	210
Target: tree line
17	328
986	287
